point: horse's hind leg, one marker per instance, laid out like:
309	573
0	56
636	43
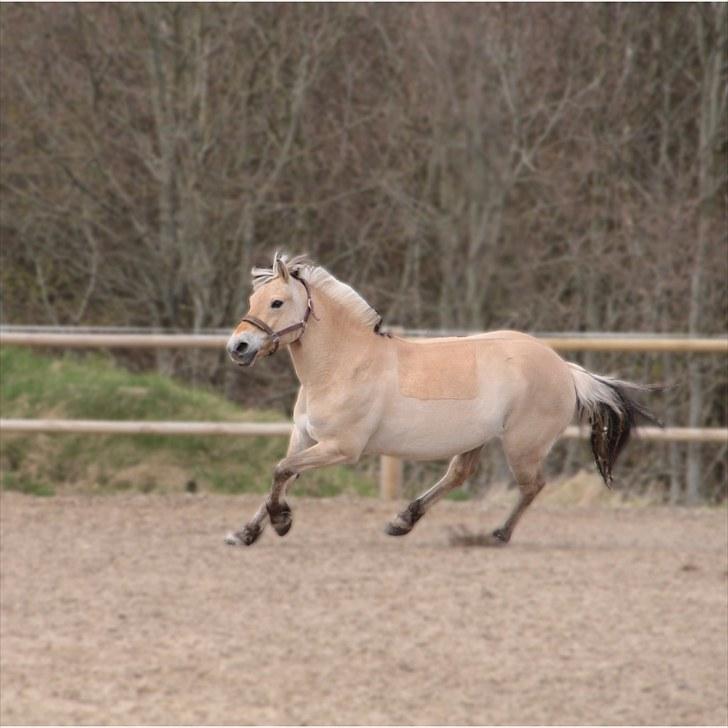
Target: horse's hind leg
529	490
461	466
526	465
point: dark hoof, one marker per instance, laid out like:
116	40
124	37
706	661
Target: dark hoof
283	528
246	537
500	537
394	529
281	518
406	520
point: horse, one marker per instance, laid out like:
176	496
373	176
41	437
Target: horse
364	391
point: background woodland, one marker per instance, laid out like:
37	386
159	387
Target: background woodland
542	167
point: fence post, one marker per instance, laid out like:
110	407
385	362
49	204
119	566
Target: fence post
390	477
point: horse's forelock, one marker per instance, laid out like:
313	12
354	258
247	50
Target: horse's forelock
283	265
300	266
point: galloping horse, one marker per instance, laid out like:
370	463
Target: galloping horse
366	392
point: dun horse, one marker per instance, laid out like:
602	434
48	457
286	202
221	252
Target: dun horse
365	392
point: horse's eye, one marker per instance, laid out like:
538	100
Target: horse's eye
277	303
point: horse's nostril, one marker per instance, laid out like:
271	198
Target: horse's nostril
241	347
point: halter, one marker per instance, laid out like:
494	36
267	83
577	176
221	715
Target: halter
276	335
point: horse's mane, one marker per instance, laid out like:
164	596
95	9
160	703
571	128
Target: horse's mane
320	279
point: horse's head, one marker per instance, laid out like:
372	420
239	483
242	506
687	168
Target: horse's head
279	310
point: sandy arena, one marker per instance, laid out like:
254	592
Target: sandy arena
130	609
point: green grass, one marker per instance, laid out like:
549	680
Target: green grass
92	387
20	484
458	495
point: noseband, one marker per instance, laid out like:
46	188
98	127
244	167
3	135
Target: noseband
276	335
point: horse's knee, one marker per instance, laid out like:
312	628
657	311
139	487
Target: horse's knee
282	473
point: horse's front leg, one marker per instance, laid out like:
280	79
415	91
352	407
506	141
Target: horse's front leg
275	507
318	456
247	535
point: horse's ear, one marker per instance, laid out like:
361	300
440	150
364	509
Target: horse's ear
280	268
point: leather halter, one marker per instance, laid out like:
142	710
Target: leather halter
276	335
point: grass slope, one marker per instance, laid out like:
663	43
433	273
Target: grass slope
92	387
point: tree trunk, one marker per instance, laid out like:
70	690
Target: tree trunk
712	105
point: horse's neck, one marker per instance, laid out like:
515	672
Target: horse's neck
331	344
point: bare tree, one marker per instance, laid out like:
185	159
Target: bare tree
476	166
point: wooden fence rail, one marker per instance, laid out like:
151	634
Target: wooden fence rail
714	345
283	429
390	469
150	427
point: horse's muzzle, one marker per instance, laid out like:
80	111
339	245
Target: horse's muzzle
244	361
242	352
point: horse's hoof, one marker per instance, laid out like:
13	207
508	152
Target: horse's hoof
233	539
246	537
395	529
406	520
499	537
281	518
282	528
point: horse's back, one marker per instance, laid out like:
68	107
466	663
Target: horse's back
504	336
514	368
493	348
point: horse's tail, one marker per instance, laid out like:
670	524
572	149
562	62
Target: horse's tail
613	412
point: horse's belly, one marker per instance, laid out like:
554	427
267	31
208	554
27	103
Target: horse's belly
431	430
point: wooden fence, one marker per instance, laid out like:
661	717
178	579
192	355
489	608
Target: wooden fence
570	342
390	468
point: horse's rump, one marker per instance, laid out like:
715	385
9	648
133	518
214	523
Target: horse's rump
437	370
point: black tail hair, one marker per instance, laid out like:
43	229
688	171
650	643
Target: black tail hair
612	427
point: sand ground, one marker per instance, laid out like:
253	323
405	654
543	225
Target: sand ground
130	609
